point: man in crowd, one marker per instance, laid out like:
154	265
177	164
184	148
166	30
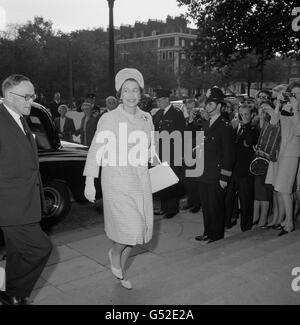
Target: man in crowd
167	120
91	98
194	123
64	125
242	183
88	125
21	193
218	162
53	106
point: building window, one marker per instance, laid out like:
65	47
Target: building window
167	42
171	55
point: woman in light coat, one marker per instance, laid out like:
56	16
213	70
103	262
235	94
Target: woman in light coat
125	180
284	175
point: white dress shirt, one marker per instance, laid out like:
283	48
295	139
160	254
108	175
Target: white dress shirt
62	123
16	117
166	109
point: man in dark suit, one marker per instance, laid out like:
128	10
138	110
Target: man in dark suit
88	125
27	246
91	98
53	106
242	184
218	162
64	125
167	120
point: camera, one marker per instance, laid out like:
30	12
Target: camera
287	95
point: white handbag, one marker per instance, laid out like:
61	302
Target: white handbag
162	176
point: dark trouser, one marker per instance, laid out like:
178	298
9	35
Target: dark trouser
246	196
213	207
28	249
244	186
231	203
191	186
170	196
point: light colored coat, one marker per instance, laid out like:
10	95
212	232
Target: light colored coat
127	196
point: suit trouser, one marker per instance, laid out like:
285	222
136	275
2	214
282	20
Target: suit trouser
191	186
170	196
27	251
213	207
231	203
244	186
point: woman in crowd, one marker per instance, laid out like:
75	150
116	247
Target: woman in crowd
284	175
262	193
278	206
126	187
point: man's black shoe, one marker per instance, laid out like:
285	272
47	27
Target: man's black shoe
159	212
195	209
5	299
170	215
211	241
202	238
186	207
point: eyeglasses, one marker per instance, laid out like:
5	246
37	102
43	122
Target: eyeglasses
26	97
263	97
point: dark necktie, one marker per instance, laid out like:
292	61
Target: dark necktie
240	131
26	128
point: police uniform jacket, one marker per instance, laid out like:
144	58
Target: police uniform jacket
219	151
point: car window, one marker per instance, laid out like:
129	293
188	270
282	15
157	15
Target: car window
39	133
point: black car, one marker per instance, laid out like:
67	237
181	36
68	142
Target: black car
61	165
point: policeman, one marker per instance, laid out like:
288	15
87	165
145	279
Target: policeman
167	120
219	155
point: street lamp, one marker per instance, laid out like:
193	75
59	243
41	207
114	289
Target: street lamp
111	53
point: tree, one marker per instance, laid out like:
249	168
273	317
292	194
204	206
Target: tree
229	30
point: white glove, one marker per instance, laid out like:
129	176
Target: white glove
89	190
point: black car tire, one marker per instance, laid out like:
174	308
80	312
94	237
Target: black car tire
58	200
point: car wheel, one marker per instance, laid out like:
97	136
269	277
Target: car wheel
58	201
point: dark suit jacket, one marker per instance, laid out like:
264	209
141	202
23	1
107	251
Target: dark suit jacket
91	127
245	154
219	151
20	185
69	128
173	120
53	106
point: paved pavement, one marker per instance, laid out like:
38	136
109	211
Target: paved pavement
173	269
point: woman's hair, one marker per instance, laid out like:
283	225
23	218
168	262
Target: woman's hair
63	106
191	101
280	88
264	91
268	102
118	95
292	85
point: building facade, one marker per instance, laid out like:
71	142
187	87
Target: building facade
166	39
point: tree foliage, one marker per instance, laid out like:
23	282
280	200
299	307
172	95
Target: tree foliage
229	30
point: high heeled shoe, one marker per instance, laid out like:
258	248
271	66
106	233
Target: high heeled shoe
114	270
126	284
255	223
284	232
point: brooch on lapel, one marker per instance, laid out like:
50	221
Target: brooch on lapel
145	118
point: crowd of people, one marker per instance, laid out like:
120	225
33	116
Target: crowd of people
232	134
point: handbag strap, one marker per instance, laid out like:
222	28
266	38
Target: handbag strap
156	156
